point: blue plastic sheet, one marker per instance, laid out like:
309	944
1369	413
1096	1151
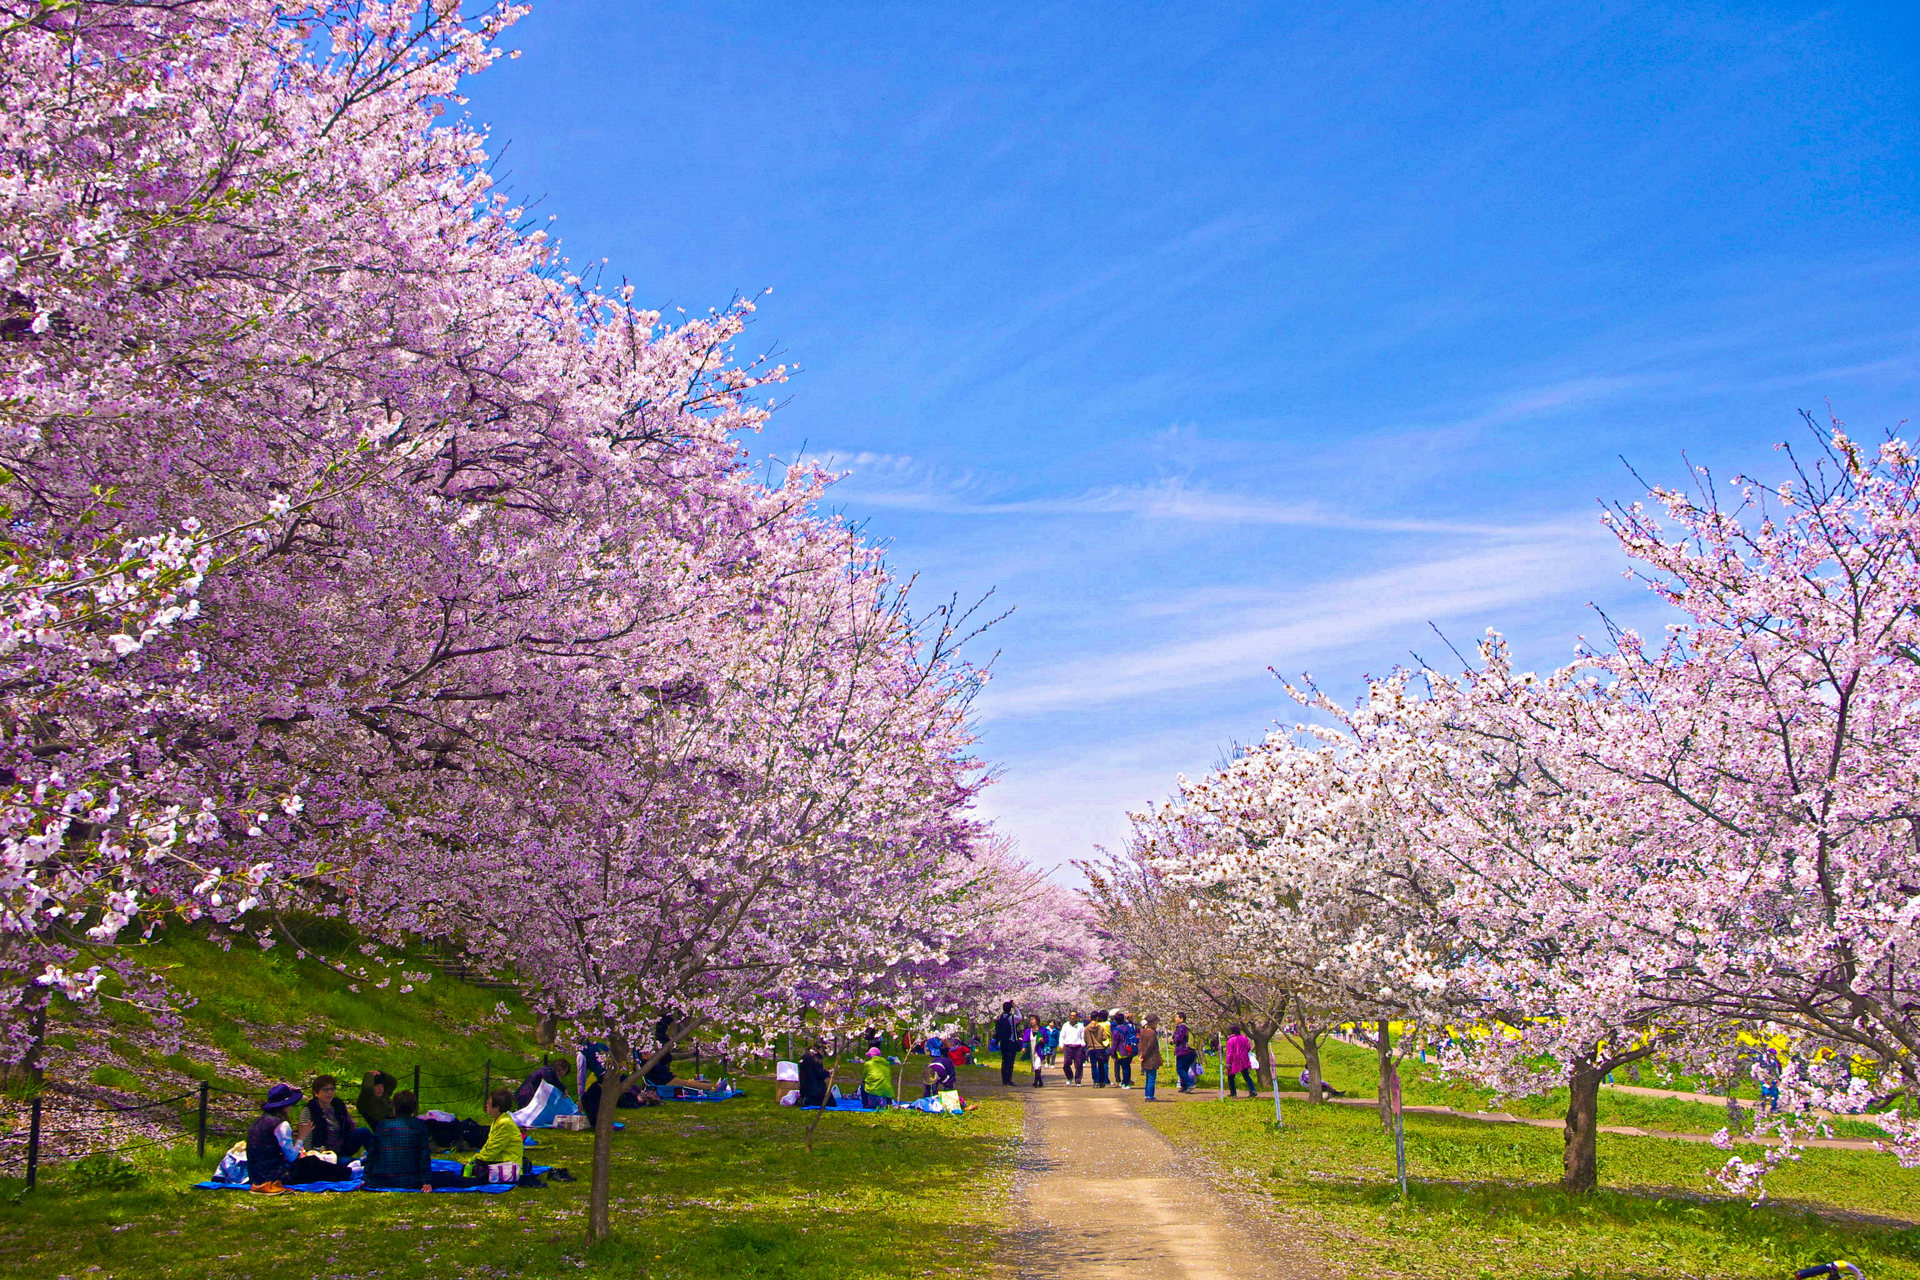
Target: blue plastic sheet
445	1166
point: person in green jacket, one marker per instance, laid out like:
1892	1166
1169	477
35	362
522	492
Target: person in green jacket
876	1081
504	1144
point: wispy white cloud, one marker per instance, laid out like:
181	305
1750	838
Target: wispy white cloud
1289	627
1167	500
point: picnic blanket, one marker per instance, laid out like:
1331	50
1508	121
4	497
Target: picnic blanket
677	1094
358	1184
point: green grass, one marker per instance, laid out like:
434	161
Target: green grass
269	1015
1353	1069
701	1192
1484	1201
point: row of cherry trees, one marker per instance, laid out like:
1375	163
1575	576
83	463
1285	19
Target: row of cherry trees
1685	848
362	557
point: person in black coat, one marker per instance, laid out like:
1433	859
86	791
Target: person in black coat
331	1127
1008	1035
814	1078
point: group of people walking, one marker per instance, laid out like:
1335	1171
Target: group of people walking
1107	1045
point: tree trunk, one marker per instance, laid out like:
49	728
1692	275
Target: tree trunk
1262	1038
546	1030
613	1083
1310	1050
1383	1046
833	1069
1581	1162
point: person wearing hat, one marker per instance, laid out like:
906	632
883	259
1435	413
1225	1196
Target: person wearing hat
277	1157
876	1081
939	1077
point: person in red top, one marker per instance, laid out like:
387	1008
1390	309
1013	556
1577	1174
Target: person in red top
1236	1058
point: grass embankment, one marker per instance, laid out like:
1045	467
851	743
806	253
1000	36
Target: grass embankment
262	1016
1484	1199
701	1191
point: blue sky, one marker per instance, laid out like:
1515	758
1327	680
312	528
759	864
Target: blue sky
1220	338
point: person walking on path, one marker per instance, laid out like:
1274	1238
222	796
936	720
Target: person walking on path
1099	1040
1036	1046
1184	1057
1126	1042
1236	1058
1073	1044
1006	1034
1150	1055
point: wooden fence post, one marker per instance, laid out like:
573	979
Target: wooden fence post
33	1143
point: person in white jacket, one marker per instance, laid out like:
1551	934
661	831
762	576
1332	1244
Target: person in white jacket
1073	1043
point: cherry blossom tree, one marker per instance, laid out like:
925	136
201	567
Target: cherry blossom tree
1781	762
1013	934
749	802
245	279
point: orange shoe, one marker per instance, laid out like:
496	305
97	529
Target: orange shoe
268	1189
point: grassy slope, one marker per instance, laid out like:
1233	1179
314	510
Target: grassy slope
701	1190
263	1016
1485	1203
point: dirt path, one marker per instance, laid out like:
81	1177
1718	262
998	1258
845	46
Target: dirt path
1100	1195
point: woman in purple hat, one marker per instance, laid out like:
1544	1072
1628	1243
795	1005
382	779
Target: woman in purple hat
277	1156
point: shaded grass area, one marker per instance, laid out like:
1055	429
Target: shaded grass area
701	1191
1484	1199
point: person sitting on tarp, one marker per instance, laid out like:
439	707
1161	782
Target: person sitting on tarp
401	1156
660	1076
375	1102
814	1078
504	1145
531	1085
1326	1090
876	1081
592	1067
939	1077
277	1157
332	1129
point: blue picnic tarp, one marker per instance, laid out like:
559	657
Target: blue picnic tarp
676	1094
357	1184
